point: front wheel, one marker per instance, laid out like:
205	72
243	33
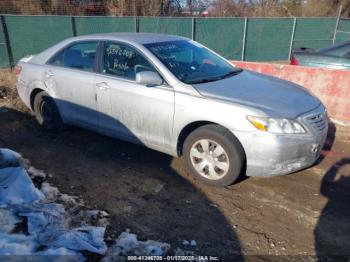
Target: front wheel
214	155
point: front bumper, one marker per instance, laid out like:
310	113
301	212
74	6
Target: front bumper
271	154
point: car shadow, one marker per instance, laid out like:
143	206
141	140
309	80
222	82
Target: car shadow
332	232
136	185
332	130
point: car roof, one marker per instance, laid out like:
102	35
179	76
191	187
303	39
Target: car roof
139	38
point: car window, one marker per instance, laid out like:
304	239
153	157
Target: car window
124	61
79	56
339	51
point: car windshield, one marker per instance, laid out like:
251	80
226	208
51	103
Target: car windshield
192	63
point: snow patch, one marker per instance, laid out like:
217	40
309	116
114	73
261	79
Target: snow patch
48	224
127	244
50	192
56	223
8	221
69	200
33	172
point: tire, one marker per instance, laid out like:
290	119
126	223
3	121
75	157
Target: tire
46	112
226	162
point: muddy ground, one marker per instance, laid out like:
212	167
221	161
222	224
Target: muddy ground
299	215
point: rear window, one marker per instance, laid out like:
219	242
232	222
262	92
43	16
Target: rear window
78	56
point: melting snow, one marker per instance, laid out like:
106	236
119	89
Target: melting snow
50	216
50	192
127	244
48	223
33	172
8	221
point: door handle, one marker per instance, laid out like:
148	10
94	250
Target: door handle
48	74
103	86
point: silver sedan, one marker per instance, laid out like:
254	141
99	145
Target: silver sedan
176	96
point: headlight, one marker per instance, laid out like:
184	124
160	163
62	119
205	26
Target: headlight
276	125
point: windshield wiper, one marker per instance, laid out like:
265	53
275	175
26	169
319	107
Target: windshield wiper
203	80
211	79
231	73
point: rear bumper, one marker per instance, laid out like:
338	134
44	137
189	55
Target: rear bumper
23	92
271	155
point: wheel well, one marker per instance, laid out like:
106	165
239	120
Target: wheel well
186	131
33	95
191	127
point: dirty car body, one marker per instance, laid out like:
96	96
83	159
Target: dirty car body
280	126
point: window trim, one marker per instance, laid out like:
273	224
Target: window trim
95	66
101	57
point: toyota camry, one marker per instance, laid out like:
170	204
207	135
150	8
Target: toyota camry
176	96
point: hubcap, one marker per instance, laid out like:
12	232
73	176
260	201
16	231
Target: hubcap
209	159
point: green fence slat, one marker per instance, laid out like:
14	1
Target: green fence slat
268	39
91	25
314	32
33	34
166	25
4	60
344	27
223	35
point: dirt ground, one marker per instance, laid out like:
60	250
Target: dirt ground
295	216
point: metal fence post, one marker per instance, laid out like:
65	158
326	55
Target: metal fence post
244	41
74	27
337	25
137	25
7	42
292	38
193	28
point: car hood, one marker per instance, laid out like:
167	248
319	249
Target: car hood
275	97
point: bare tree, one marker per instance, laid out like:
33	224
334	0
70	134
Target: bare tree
326	8
235	8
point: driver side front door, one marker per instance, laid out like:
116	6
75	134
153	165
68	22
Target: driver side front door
129	110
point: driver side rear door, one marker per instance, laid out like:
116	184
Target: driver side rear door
69	76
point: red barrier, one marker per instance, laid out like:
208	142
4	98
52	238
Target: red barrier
331	86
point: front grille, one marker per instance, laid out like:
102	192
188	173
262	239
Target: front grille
317	121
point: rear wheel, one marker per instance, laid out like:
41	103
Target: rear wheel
46	112
214	155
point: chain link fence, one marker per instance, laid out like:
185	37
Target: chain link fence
248	39
343	30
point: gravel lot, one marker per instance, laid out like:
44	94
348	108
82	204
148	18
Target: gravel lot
303	214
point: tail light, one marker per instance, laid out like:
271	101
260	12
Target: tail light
294	61
17	70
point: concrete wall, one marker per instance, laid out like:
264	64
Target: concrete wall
332	87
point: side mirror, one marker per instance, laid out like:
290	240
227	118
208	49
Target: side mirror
149	78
